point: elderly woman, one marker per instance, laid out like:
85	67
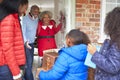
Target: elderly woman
46	32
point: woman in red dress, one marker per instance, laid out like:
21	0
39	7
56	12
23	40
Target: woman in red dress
46	32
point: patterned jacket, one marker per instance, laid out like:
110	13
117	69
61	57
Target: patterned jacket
108	62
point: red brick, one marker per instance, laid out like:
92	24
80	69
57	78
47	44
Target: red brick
95	2
90	6
93	11
80	10
94	20
88	15
97	24
82	19
97	15
97	6
78	15
81	1
78	6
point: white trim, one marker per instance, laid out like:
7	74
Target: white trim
102	35
17	76
70	14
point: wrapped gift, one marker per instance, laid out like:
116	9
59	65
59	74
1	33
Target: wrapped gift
48	60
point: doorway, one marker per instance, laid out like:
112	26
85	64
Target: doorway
56	6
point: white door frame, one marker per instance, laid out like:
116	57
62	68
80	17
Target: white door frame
69	9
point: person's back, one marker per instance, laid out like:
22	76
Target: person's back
73	58
70	63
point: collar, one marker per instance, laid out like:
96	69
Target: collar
50	26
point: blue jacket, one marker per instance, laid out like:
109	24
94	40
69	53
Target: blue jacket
107	61
69	65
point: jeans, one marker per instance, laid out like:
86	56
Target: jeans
5	73
29	62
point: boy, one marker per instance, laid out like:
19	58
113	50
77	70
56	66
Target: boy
70	63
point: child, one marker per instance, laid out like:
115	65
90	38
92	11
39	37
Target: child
70	63
108	58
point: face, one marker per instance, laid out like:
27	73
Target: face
69	41
46	19
35	13
23	9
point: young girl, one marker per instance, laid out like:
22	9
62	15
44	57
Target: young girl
12	55
70	63
108	58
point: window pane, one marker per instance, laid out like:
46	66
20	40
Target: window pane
109	7
118	1
118	5
111	1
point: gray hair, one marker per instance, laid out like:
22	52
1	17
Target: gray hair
44	13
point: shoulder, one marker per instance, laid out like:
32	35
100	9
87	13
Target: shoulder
9	20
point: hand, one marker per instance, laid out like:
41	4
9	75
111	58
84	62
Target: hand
38	71
62	18
91	49
18	79
27	45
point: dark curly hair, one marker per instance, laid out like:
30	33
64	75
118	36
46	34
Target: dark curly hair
112	26
78	37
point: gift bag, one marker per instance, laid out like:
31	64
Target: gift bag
88	61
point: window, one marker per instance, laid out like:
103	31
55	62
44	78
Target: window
106	6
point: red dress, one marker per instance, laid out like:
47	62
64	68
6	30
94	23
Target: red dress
46	36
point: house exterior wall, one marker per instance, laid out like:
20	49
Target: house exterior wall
88	17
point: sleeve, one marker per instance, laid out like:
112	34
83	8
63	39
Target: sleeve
110	64
7	40
24	26
58	70
58	27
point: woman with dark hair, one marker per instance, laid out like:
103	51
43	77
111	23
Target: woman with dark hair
12	55
107	59
70	62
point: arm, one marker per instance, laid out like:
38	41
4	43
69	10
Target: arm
7	40
58	27
110	64
24	27
58	70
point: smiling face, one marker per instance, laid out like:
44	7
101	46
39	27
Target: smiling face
46	19
35	12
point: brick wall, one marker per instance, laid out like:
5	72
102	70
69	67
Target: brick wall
88	17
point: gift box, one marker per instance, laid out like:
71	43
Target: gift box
48	60
49	57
